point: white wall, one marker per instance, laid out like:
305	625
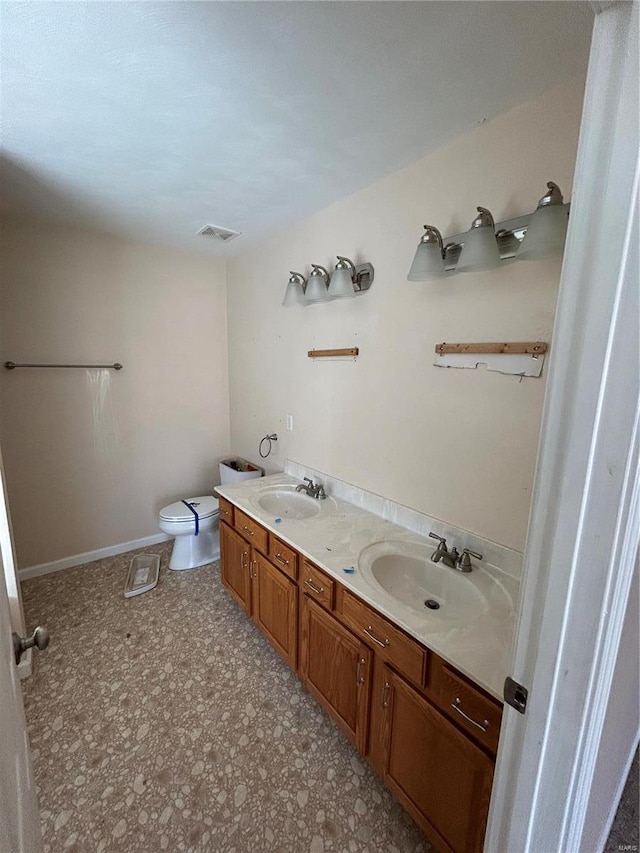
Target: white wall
456	444
86	471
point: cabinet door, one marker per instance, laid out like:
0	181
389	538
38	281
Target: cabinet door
235	561
275	607
441	777
336	668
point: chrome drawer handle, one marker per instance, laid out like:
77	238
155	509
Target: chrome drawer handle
385	694
359	675
281	559
314	588
375	639
246	530
484	726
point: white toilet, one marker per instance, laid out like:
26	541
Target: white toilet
192	549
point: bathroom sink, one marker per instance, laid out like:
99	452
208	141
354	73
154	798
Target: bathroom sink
285	502
445	597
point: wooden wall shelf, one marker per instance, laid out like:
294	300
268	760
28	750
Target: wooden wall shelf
514	348
334	353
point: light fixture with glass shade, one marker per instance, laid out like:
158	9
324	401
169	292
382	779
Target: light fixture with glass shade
488	245
428	262
317	286
547	229
342	278
349	279
480	247
294	294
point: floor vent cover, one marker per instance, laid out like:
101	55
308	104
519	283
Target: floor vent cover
216	232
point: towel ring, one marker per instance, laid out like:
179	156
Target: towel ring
270	439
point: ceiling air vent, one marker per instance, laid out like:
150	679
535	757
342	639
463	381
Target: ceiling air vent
215	232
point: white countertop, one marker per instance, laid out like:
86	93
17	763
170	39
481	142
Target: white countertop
334	539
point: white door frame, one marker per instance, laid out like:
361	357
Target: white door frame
585	515
19	817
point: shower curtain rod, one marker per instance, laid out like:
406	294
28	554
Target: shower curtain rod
11	365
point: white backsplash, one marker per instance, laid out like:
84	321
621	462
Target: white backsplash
506	559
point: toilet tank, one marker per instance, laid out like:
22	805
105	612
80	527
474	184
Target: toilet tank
235	470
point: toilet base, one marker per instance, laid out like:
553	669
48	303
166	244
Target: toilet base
191	551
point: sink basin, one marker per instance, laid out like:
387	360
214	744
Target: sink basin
285	502
404	571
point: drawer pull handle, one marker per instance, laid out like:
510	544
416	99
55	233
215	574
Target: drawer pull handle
484	726
368	631
246	530
385	694
359	673
317	589
281	559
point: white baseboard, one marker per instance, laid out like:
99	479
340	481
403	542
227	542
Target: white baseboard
618	796
90	556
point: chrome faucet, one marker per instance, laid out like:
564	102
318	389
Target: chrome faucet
452	558
449	558
312	489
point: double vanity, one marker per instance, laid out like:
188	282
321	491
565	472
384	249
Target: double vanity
407	655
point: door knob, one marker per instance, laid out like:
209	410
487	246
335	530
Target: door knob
39	639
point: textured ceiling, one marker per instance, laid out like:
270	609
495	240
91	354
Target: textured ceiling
152	119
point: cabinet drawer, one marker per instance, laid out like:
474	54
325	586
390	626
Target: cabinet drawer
317	585
474	712
251	530
405	654
226	511
284	557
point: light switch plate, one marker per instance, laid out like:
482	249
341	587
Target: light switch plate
289	423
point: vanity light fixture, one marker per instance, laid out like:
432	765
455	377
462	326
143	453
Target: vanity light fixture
547	229
480	247
294	294
486	245
317	286
349	279
428	261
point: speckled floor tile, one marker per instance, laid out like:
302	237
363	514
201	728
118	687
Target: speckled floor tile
167	722
625	832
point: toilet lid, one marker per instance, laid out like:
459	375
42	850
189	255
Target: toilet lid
205	506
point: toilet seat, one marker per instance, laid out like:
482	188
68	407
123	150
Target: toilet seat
206	506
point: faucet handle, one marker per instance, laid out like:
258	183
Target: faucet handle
464	560
442	541
472	553
308	480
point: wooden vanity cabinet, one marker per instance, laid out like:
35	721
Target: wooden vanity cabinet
275	607
426	730
266	593
441	777
336	668
235	561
